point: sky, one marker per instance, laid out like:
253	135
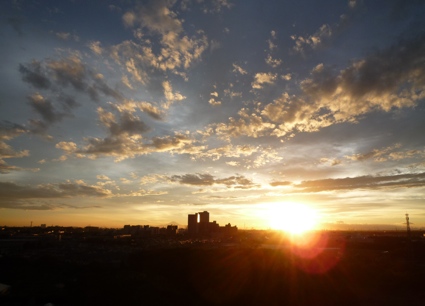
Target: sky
142	112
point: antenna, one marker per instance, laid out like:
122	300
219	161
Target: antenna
408	225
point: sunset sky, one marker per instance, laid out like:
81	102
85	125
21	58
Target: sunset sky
141	112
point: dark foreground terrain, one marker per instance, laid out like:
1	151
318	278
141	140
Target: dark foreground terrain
382	273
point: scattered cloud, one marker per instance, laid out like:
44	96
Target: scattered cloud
171	96
251	125
176	50
95	47
262	78
239	69
312	41
273	62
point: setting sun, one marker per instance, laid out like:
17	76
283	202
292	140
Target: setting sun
293	218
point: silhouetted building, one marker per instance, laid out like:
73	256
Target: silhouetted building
192	224
199	224
204	217
203	224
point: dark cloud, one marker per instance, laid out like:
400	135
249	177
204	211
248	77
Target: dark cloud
198	179
394	77
68	102
194	179
283	183
45	109
39	127
33	74
69	71
128	125
56	75
365	182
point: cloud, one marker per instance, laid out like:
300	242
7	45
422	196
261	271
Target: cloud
198	179
125	139
228	151
144	193
178	143
6	168
331	161
251	125
130	106
291	112
388	153
45	108
409	180
34	73
280	183
170	96
15	196
151	110
152	179
385	80
8	131
263	78
102	177
175	52
213	100
59	74
352	3
273	62
239	69
313	41
128	124
95	47
216	6
68	189
66	36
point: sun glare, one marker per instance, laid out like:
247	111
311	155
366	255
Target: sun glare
293	218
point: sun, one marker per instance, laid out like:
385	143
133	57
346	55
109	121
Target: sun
293	218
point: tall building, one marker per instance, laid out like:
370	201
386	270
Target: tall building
204	217
192	224
199	225
203	224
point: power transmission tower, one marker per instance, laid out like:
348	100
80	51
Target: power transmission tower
408	225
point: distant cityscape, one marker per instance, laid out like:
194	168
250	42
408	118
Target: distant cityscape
68	265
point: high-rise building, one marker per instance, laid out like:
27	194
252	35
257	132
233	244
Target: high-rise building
203	224
192	224
204	217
